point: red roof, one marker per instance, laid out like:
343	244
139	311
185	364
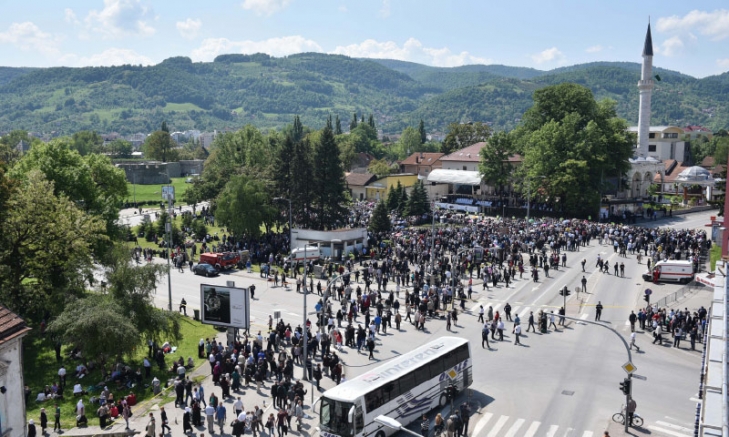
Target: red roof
422	158
11	325
467	154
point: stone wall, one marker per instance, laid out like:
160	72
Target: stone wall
155	173
190	167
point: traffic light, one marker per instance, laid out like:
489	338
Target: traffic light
625	386
451	392
647	298
564	291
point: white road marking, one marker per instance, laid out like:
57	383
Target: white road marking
667	431
552	430
584	316
481	423
524	312
497	427
532	429
514	428
676	427
587	434
568	432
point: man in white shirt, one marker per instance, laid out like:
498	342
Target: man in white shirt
238	407
210	413
517	333
62	376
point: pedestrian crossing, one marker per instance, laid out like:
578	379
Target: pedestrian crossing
669	427
490	425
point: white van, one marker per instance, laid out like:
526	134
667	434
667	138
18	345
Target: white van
311	253
681	271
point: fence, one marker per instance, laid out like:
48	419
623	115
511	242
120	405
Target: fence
692	288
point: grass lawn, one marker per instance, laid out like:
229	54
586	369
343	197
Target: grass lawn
41	368
145	193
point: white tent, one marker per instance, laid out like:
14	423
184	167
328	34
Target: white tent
458	177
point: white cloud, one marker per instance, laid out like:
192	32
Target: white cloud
594	49
386	8
27	36
549	55
212	47
189	28
265	7
109	57
713	24
70	16
723	63
120	18
673	46
413	50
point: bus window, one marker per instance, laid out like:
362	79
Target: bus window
407	382
333	417
436	368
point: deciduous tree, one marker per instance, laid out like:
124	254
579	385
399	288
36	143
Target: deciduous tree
244	206
462	135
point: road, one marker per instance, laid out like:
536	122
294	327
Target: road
562	383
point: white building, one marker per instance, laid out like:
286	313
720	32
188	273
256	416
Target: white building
12	406
663	142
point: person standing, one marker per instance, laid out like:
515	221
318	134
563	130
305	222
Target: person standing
632	318
517	333
507	311
425	426
282	423
677	333
584	281
465	418
31	428
220	415
598	311
150	426
209	415
485	336
692	336
43	421
57	416
187	421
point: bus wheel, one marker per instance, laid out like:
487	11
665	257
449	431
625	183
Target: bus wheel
443	401
380	434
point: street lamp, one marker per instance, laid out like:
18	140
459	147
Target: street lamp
169	195
291	242
394	424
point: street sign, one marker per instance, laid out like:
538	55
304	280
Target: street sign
168	193
277	315
629	368
641	377
648	291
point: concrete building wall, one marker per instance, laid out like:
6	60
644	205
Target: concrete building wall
12	407
190	167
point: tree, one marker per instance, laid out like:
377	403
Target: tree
379	168
243	206
402	205
347	153
282	176
371	122
302	183
494	166
45	247
329	185
120	148
353	123
575	143
463	135
380	221
393	199
337	126
87	142
298	130
409	143
158	146
418	203
164	127
421	130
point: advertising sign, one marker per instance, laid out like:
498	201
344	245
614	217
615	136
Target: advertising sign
225	306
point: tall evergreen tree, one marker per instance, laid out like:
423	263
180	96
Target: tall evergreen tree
329	122
393	199
298	133
380	221
353	123
362	119
418	204
371	121
329	185
337	126
282	167
421	129
164	127
302	184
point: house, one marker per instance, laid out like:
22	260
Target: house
664	142
691	132
421	163
357	183
466	159
379	189
12	407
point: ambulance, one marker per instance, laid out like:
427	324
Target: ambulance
681	271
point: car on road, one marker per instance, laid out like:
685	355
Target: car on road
205	269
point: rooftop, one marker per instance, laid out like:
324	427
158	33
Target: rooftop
11	325
422	158
468	154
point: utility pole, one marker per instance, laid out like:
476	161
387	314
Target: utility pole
432	245
169	195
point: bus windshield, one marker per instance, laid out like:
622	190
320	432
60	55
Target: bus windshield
333	417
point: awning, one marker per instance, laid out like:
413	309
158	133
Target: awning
459	177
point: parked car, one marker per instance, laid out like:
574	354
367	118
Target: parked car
205	269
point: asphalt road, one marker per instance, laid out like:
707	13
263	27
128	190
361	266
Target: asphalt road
562	383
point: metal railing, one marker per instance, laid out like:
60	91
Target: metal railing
692	288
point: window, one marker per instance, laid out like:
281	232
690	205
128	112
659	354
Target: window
373	399
652	135
464	167
406	383
651	147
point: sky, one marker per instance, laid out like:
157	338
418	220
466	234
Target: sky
690	37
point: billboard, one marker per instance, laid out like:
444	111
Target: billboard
225	306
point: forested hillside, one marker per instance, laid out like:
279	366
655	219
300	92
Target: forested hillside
235	90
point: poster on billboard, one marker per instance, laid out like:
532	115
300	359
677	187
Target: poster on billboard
225	306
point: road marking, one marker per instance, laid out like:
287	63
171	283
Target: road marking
514	428
568	432
584	316
693	399
523	312
676	427
532	429
552	430
667	431
481	423
497	427
587	434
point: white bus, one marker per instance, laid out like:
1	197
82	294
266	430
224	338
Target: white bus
404	388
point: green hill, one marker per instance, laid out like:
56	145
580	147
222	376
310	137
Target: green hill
234	90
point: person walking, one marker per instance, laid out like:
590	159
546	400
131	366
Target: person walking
517	333
551	320
632	342
164	420
210	416
425	426
151	426
598	311
485	336
221	416
480	314
507	312
531	322
57	416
